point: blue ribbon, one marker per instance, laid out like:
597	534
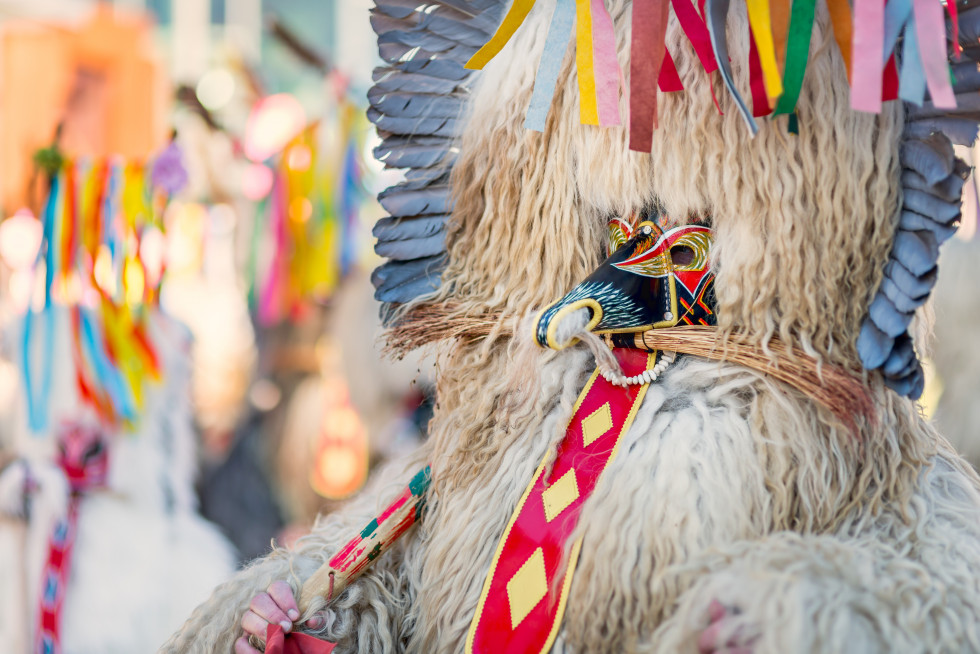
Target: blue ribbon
555	45
119	393
38	404
912	84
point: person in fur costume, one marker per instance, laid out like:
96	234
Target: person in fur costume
742	510
141	556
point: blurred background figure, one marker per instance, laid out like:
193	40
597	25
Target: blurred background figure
192	363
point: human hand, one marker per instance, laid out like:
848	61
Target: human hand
709	642
275	606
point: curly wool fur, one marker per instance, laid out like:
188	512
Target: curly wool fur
728	486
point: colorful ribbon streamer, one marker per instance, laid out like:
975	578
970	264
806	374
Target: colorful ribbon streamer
759	22
585	63
930	28
551	59
797	54
514	18
647	50
716	12
607	72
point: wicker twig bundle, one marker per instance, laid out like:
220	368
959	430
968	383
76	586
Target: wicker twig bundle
841	391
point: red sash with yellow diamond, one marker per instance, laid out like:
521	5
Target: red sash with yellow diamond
524	595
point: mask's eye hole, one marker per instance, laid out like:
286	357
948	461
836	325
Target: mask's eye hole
682	255
646	230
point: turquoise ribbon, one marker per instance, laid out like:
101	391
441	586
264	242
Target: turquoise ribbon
38	400
912	83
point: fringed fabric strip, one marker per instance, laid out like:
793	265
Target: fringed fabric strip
647	47
869	40
670	80
930	28
759	22
585	63
607	72
554	52
912	86
697	33
840	20
780	38
716	12
760	100
797	54
514	19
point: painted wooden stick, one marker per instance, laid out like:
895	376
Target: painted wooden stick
374	540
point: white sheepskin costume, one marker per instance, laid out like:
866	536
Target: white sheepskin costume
142	557
728	486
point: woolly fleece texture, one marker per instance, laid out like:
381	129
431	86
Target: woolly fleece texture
728	486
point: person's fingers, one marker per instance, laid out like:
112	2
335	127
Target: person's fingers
264	606
708	640
254	624
242	647
282	593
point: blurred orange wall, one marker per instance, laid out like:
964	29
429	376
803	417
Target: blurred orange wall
101	80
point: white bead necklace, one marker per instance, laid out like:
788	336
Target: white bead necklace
666	358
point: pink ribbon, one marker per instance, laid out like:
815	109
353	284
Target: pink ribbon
866	65
930	28
606	64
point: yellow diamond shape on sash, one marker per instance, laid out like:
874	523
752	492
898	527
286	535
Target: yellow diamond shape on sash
527	587
596	424
559	495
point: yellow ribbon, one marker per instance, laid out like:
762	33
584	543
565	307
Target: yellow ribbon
588	104
762	30
514	19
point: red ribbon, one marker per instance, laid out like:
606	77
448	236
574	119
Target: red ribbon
760	99
279	642
647	48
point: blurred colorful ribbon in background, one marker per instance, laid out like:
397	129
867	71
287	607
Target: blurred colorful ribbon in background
101	255
307	223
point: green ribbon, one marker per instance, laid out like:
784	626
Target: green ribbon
797	54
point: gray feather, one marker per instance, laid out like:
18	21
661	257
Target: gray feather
916	251
448	65
389	78
416	102
932	157
409	126
949	190
915	286
966	75
931	206
900	358
416	152
910	385
887	318
961	131
967	106
414	248
416	105
899	299
419	178
399	202
402	281
398	229
444	23
873	345
911	221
